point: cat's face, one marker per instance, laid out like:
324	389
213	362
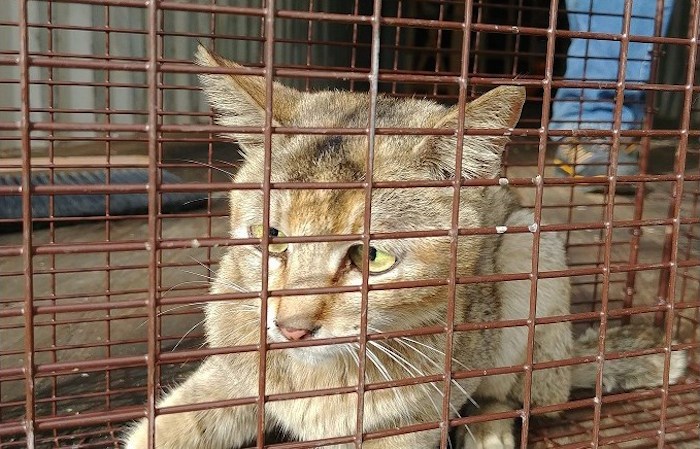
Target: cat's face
337	212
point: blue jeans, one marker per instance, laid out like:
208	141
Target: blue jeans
597	60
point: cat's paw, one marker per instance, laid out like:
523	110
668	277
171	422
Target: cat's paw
490	435
137	437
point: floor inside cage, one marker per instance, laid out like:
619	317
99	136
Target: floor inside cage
119	278
623	423
627	423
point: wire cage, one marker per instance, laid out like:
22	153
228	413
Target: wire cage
114	217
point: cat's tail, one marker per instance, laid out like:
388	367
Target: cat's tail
627	373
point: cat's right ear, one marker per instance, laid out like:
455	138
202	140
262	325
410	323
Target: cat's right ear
481	154
239	99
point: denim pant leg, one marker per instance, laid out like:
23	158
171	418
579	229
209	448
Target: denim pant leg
593	60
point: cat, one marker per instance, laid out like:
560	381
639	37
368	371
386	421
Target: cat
239	100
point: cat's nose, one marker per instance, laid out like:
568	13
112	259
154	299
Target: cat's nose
293	333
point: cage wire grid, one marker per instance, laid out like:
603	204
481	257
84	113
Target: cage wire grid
101	312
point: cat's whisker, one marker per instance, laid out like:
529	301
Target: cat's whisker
228	283
213	167
426	346
423	387
246	336
187	203
143	323
350	349
233	285
397	358
373	329
197	305
381	367
230	164
186	334
405	341
205	276
242	308
200	263
211	279
400	361
471	434
234	333
434	363
355	357
241	304
406	365
179	284
378	364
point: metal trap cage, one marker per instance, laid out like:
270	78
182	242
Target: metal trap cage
113	209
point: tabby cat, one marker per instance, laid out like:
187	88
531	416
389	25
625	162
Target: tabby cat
240	101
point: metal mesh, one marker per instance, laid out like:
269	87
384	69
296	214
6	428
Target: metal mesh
100	311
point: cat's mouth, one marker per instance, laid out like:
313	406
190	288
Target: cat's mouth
282	334
310	354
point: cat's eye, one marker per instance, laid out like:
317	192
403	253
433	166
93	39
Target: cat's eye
379	261
256	231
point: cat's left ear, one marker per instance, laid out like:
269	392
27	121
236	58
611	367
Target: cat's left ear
481	155
240	100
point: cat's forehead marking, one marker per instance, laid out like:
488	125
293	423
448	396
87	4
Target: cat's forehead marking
320	212
350	111
328	146
332	159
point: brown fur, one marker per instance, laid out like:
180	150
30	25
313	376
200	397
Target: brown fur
239	101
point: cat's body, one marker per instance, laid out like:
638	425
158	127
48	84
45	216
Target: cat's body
240	101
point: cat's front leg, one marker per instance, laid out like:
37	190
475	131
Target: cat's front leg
490	434
427	439
218	428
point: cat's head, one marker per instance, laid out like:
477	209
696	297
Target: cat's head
240	101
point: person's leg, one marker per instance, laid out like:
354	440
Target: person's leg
598	60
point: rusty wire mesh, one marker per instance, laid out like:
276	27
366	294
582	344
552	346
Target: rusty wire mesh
99	313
